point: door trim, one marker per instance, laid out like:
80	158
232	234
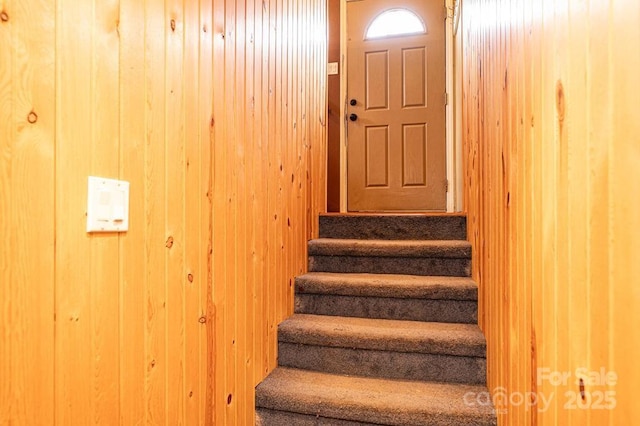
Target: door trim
454	173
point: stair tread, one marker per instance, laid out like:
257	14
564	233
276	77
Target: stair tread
390	214
380	401
455	249
384	335
387	285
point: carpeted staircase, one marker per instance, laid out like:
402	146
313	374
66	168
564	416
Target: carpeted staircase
384	330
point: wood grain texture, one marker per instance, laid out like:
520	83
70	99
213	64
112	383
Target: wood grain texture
133	247
261	217
105	158
550	143
213	111
27	190
74	281
207	348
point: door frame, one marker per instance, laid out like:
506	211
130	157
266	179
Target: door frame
453	144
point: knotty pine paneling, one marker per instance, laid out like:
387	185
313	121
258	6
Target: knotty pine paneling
215	111
27	206
552	148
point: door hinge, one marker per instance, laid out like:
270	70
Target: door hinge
446	99
446	185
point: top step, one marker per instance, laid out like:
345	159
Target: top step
394	226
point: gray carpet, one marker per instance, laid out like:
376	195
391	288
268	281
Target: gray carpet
384	330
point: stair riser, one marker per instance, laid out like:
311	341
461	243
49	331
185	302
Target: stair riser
266	417
394	227
449	311
452	267
386	364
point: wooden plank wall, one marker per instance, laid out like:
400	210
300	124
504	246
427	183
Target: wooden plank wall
214	110
552	168
269	180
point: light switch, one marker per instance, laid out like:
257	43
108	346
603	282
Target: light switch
332	68
118	213
107	205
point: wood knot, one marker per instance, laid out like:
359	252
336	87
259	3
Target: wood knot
190	278
202	320
4	17
32	117
173	25
169	243
229	398
560	101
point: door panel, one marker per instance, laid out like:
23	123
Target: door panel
377	155
414	155
377	80
396	146
414	77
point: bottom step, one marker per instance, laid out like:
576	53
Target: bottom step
291	396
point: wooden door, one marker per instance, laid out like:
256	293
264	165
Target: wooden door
396	142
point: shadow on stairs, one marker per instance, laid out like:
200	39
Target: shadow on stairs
384	331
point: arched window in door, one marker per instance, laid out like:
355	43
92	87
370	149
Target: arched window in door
395	22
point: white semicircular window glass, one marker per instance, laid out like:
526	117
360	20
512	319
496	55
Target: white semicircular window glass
395	22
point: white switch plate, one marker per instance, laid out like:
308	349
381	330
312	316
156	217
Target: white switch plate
332	68
107	205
